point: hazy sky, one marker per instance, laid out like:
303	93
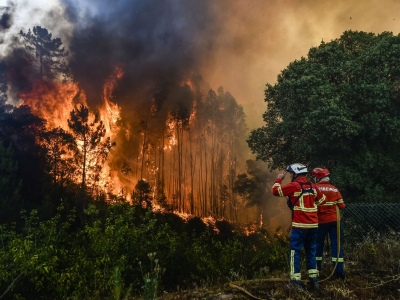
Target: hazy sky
241	44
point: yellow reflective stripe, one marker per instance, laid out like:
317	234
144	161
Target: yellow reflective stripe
301	203
313	225
291	262
341	259
329	204
318	258
295	276
301	200
279	189
320	200
339	201
306	209
312	273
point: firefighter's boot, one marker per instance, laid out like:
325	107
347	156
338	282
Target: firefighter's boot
314	285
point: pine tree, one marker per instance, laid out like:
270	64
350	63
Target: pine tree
45	52
89	131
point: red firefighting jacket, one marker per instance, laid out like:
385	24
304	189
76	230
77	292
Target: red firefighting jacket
305	210
327	211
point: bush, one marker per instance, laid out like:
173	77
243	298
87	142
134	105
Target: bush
120	252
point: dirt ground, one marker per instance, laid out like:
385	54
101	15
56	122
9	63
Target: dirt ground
359	284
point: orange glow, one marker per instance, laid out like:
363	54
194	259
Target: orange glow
53	102
171	126
110	112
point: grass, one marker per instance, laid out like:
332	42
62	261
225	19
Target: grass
372	268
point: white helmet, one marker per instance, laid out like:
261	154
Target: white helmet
297	169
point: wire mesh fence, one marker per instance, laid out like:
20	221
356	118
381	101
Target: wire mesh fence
369	220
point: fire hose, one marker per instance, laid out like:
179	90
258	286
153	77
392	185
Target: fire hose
338	219
236	284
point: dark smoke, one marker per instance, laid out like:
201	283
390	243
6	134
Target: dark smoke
6	18
5	21
158	43
6	15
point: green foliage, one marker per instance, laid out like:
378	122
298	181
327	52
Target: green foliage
338	107
35	260
21	129
151	278
10	184
120	253
378	252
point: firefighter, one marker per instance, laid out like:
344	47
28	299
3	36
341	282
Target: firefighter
303	198
327	219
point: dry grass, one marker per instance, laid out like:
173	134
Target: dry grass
357	286
372	268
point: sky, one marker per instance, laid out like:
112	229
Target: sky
240	45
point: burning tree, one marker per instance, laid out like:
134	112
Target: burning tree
89	132
184	138
61	152
224	129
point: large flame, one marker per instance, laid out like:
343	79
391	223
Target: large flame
54	103
110	112
180	147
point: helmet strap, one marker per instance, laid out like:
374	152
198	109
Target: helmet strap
294	176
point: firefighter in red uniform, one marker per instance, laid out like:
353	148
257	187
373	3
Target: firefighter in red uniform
327	219
303	198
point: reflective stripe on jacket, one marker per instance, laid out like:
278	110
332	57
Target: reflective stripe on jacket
327	211
305	213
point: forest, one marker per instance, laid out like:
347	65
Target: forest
183	150
160	183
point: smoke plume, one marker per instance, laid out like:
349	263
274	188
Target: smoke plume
240	45
162	46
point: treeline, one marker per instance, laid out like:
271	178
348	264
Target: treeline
40	167
339	107
190	152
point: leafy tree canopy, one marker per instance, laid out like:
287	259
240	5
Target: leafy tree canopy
10	185
339	107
